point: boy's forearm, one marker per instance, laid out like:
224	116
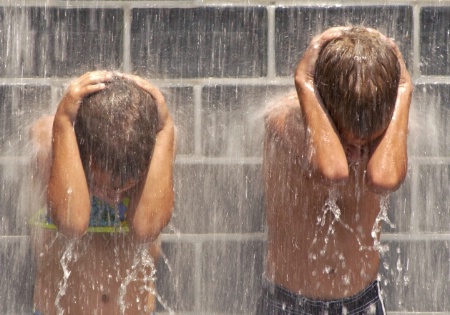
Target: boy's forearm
68	195
155	204
327	155
387	167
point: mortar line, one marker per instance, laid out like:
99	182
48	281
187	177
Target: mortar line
188	159
127	20
262	236
198	120
416	41
197	276
271	58
183	82
209	3
171	82
216	3
197	239
415	237
414	196
201	237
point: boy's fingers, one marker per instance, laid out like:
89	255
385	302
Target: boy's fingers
308	62
80	91
95	77
153	90
156	94
90	89
404	74
89	83
332	33
328	35
388	40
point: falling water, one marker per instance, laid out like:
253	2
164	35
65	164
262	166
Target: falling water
67	257
218	65
381	217
330	208
142	262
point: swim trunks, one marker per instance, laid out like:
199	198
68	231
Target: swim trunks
104	217
276	300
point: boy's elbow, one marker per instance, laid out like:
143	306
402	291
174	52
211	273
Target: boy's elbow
143	236
382	182
72	230
73	227
145	231
335	173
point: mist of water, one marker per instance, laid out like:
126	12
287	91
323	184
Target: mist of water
213	251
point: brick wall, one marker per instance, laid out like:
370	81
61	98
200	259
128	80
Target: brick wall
219	65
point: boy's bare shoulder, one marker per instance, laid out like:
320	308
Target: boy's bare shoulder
283	120
41	130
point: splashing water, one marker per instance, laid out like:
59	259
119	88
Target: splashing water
166	261
331	207
142	262
67	257
382	216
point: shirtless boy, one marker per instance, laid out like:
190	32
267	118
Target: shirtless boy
106	158
331	152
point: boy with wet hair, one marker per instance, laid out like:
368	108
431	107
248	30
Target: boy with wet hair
122	148
355	76
331	154
107	160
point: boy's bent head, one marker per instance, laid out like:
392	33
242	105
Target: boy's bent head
116	130
357	77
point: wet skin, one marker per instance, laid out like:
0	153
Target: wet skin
356	149
97	274
320	253
101	262
96	269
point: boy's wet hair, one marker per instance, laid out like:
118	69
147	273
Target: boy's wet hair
116	130
357	77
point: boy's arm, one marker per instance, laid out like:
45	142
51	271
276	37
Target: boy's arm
387	166
155	199
68	194
327	156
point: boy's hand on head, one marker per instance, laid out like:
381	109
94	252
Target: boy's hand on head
405	84
163	112
153	204
387	166
326	154
88	83
305	68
